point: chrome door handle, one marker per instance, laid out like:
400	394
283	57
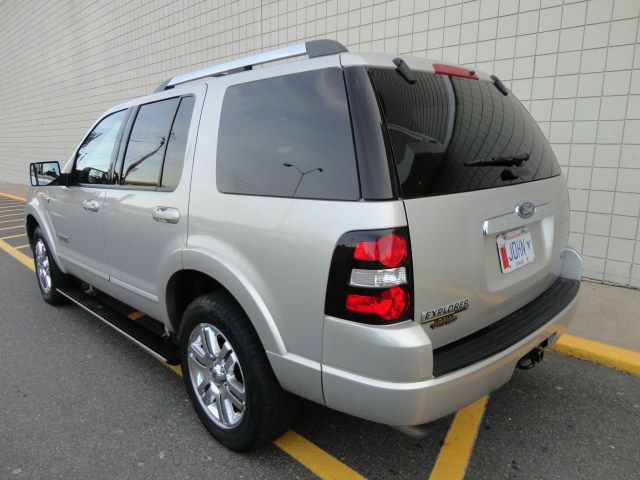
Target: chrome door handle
166	215
91	205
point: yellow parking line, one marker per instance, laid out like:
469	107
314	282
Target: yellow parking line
22	246
13	206
14	236
454	455
307	453
12	228
17	254
314	458
14	220
600	353
15	197
135	315
175	368
11	215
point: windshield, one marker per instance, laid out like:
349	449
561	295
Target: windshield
450	134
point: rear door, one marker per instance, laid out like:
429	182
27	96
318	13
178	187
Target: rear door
471	251
145	210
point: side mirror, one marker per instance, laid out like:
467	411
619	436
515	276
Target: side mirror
44	173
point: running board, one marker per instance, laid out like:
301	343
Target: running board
153	343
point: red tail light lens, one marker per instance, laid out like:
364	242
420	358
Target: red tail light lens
390	250
371	277
390	304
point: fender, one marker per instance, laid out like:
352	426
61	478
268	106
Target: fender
217	267
34	207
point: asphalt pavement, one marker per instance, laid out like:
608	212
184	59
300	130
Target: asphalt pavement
80	401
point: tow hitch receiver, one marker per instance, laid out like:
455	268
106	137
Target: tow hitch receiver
530	359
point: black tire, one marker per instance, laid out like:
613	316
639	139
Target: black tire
58	278
269	410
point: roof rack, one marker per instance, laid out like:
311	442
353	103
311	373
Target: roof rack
312	48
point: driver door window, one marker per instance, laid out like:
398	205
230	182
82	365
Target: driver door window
93	159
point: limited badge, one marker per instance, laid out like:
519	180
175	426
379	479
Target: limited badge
445	314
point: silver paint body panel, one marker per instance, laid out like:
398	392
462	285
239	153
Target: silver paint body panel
273	255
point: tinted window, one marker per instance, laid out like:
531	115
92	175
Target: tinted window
94	155
147	142
288	136
441	123
174	158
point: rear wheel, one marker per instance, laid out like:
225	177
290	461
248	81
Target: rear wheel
49	275
228	376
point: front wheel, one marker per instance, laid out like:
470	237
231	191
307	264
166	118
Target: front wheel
228	376
49	275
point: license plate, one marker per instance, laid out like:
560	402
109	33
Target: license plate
515	249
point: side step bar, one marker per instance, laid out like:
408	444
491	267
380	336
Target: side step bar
153	343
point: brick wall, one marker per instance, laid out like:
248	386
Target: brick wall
574	64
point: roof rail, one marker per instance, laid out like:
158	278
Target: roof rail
312	48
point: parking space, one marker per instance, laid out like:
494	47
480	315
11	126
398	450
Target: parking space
80	401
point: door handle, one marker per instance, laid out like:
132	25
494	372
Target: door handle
166	214
91	205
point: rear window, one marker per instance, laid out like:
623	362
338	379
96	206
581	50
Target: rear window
440	123
288	136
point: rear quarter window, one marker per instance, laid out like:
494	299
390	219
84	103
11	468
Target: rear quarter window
441	122
288	136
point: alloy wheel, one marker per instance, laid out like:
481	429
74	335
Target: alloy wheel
42	266
216	376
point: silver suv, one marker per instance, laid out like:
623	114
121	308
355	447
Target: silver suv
385	236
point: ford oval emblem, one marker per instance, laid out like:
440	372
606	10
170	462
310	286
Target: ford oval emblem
525	209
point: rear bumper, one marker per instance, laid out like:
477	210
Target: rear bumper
416	402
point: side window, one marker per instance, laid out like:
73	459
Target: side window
174	158
288	136
93	158
147	142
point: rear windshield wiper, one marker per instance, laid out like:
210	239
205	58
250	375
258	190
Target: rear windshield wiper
504	161
405	71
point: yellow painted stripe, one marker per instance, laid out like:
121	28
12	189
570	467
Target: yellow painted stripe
314	458
14	220
454	455
600	353
175	368
11	215
16	206
15	197
135	315
22	246
14	236
307	453
12	227
17	254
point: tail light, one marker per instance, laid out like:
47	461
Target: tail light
371	277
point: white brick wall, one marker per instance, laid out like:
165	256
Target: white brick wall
574	64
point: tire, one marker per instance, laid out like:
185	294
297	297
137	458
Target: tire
267	410
46	265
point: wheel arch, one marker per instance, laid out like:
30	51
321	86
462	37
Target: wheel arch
35	218
31	225
203	273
